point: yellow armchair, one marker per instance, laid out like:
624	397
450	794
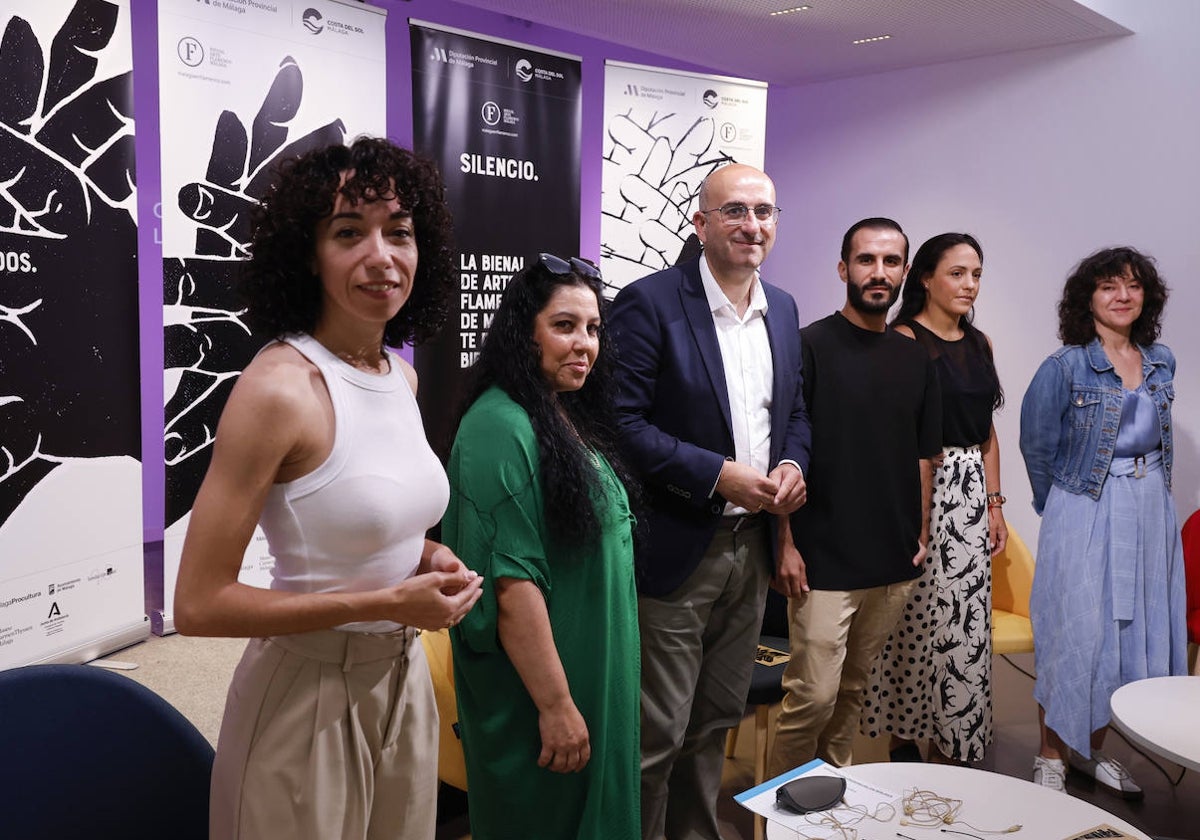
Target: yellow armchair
452	767
1012	580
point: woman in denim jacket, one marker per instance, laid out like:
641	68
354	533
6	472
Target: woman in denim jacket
1108	594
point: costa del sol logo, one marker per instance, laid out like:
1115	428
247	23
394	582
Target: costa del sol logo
524	70
314	22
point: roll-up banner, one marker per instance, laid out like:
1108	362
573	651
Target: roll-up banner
243	85
70	477
664	130
502	121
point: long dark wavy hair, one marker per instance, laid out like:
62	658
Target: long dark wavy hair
279	288
512	361
914	295
1077	325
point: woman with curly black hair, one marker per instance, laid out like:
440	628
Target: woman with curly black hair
934	678
1108	599
330	728
546	668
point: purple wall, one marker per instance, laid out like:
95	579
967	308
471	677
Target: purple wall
593	51
1045	155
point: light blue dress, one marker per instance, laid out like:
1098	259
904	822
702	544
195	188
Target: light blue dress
1108	599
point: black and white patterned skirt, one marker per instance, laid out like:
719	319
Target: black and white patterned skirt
934	676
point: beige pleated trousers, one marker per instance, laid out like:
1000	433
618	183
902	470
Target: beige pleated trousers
328	735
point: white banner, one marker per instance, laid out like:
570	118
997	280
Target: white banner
70	477
243	84
664	131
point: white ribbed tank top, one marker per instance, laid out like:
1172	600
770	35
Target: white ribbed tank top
358	521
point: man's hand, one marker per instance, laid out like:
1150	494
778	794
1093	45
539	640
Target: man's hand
746	487
791	575
793	491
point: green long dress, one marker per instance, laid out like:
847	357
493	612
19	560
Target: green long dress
495	524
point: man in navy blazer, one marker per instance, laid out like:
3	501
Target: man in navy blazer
712	419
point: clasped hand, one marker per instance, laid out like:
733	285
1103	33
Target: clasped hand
781	491
442	593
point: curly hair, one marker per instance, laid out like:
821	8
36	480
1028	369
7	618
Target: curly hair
914	296
1077	325
511	360
278	286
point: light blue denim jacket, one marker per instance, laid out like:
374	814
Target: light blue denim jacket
1071	411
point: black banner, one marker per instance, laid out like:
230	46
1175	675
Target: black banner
502	121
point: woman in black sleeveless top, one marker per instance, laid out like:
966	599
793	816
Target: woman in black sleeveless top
933	679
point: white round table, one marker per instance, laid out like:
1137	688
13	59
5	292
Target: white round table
1160	715
990	801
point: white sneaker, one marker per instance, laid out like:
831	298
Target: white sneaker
1050	773
1108	773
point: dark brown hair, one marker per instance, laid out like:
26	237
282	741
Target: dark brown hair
278	286
1077	325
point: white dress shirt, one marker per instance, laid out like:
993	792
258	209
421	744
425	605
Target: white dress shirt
749	372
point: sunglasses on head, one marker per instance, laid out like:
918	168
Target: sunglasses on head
560	267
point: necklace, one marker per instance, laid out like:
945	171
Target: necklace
359	361
566	418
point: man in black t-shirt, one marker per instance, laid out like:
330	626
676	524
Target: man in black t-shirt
875	409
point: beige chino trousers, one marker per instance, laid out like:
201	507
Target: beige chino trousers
835	639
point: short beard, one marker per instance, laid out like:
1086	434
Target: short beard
858	300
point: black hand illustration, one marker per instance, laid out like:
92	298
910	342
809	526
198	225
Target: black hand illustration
68	345
88	29
22	69
662	162
239	167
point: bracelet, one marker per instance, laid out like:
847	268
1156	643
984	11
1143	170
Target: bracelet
996	499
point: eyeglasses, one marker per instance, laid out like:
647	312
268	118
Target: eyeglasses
560	267
737	213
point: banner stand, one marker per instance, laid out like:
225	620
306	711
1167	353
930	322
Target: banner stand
71	573
481	111
241	87
664	131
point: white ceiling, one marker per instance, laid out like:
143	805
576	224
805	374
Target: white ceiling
739	38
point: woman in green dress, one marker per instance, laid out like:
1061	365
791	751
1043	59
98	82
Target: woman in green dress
546	666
